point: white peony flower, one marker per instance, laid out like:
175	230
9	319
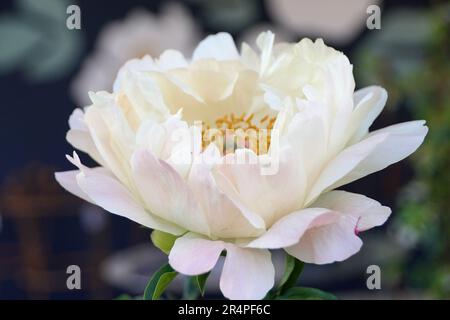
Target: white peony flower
153	169
140	33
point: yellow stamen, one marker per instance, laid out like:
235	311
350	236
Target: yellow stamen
233	132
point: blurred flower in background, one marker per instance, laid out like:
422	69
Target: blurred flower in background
140	33
38	27
336	21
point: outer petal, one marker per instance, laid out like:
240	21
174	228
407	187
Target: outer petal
112	196
193	255
166	194
288	230
111	145
68	180
328	243
247	273
369	213
369	102
219	46
79	137
224	218
379	150
337	240
402	140
268	196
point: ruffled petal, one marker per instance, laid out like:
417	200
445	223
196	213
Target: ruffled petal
288	230
166	194
328	243
379	150
193	255
219	46
247	274
368	212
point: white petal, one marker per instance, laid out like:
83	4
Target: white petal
192	255
224	217
109	147
401	141
379	150
265	44
328	243
172	59
288	230
80	138
247	273
267	196
369	102
307	134
368	212
144	64
112	196
166	194
219	46
68	180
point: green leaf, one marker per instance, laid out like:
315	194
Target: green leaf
190	289
159	282
304	293
124	297
292	271
201	282
163	241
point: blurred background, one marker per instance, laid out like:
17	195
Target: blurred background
46	71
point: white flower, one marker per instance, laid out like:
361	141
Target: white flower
319	133
336	21
140	33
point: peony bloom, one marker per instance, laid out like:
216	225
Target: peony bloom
159	166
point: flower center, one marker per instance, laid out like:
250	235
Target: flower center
232	132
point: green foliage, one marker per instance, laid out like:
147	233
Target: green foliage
201	282
292	271
304	293
163	241
159	282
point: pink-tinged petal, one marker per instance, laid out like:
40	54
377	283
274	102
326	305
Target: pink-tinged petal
227	187
328	243
166	194
247	273
368	212
369	102
224	217
402	140
288	230
68	180
80	138
192	255
108	193
101	135
342	164
219	46
379	150
307	133
257	195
